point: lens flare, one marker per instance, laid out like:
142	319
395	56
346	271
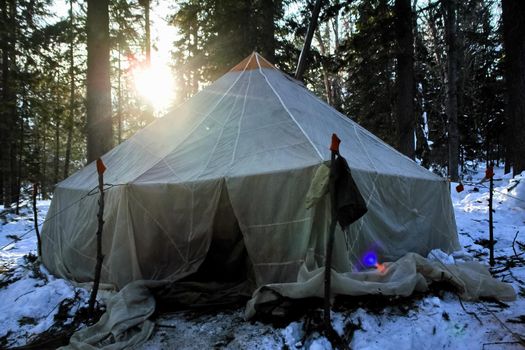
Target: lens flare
155	84
380	267
369	259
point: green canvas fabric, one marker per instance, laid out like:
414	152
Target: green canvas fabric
253	140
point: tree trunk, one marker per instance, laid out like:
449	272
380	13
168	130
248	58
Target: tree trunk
4	42
267	45
452	98
326	74
301	65
194	80
462	74
335	83
8	116
513	14
44	184
422	150
13	110
19	166
119	93
70	117
99	126
405	78
148	113
146	4
56	159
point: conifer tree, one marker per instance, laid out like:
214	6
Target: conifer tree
99	112
514	43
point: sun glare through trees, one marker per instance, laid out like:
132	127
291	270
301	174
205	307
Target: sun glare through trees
155	85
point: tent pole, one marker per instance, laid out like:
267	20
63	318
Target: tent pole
330	243
100	215
301	65
334	148
490	175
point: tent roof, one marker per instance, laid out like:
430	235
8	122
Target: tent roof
254	119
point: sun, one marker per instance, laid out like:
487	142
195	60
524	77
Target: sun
155	85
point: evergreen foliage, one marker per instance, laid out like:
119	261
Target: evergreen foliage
353	65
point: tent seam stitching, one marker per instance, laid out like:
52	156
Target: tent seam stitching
223	126
287	110
240	120
199	124
364	130
308	218
160	226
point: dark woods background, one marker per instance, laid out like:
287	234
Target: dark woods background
441	80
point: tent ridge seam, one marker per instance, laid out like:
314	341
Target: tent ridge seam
288	111
223	126
240	121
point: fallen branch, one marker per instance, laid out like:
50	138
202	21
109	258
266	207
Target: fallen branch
21	295
501	343
52	342
513	243
468	312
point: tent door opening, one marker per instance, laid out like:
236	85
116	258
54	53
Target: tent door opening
227	260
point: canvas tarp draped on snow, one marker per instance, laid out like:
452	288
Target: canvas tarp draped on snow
126	323
259	137
408	274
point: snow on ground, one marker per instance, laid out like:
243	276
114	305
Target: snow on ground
18	229
31	298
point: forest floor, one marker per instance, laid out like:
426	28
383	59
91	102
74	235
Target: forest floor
36	305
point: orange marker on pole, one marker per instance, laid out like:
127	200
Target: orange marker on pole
334	147
101	168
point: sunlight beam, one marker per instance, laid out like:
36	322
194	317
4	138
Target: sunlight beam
155	84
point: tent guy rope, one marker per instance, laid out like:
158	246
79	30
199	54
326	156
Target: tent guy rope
90	193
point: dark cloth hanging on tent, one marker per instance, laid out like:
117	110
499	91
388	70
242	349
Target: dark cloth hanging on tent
350	204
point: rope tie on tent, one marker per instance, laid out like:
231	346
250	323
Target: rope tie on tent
91	192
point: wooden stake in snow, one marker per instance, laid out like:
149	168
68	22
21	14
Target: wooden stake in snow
489	174
334	148
35	219
336	341
98	268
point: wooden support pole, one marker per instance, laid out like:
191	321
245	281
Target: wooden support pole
490	175
334	148
98	268
35	219
329	246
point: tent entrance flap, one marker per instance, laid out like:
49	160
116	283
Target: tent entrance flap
226	274
227	260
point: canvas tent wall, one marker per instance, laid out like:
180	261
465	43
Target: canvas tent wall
258	136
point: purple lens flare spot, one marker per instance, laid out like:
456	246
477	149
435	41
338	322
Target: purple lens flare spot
369	259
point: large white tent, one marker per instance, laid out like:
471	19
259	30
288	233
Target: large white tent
230	169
